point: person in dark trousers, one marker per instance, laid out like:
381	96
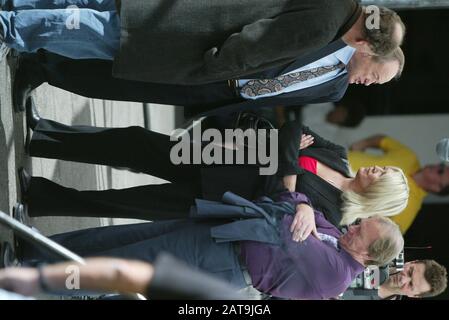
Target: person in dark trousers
230	67
342	65
248	244
149	152
188	42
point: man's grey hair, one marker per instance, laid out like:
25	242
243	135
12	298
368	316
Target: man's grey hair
383	250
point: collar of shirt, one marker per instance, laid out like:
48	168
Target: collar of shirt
331	240
345	54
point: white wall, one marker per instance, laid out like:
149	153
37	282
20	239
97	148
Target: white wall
419	132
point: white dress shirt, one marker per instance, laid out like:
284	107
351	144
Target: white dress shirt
343	55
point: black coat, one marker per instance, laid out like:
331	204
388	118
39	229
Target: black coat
245	180
196	42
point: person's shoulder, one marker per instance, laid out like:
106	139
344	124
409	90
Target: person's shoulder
335	275
338	263
331	8
346	6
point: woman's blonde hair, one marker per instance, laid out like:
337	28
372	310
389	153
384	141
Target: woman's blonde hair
387	196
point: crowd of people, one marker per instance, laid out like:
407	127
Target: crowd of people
305	232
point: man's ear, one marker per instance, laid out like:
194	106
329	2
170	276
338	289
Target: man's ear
365	256
364	47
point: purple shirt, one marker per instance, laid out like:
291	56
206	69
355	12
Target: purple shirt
311	269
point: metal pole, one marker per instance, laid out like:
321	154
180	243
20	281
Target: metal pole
35	237
54	247
409	4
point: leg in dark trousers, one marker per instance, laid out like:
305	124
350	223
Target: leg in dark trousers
150	202
133	147
187	240
93	79
88	241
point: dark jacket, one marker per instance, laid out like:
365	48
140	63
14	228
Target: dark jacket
324	196
254	221
197	42
245	180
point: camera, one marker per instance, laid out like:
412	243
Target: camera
373	276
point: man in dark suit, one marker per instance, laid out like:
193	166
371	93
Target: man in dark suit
92	78
249	244
190	42
215	66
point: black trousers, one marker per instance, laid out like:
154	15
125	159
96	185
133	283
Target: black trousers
93	79
138	149
133	147
187	240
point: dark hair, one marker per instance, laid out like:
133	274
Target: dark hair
436	276
382	40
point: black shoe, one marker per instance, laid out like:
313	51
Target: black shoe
29	75
32	116
24	183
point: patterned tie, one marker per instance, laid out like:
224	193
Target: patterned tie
259	87
329	239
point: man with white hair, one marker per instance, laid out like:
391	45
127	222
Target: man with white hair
268	251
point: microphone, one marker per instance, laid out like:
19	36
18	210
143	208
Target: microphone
443	149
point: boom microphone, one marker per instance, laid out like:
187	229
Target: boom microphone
443	149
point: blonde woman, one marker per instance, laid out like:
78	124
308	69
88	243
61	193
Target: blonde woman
149	152
320	169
